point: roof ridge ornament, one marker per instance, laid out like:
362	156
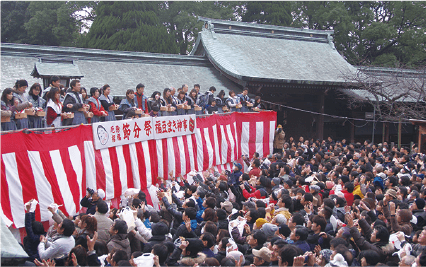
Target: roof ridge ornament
209	26
330	41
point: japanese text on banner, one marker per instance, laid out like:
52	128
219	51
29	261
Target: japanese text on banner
118	133
171	126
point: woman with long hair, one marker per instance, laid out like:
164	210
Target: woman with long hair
84	95
154	100
107	102
167	101
88	225
53	108
23	103
38	102
192	101
257	103
220	101
127	104
95	106
181	100
8	109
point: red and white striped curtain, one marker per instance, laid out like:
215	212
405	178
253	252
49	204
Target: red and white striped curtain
58	167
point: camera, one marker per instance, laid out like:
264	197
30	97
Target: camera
227	172
90	190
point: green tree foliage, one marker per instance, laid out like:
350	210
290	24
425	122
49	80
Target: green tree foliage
181	19
51	23
130	26
378	33
275	13
13	17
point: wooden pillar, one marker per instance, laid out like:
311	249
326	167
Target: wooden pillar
383	131
399	133
320	123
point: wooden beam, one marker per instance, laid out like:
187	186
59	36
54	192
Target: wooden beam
320	122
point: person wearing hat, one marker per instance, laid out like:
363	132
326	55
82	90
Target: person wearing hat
275	183
269	229
90	201
262	257
417	208
227	206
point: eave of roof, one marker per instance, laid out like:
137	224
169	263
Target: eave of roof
217	46
43	69
39	51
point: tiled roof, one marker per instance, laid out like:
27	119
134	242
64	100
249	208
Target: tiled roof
120	69
61	69
252	52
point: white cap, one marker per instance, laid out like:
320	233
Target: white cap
101	193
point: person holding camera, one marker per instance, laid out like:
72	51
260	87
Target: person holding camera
91	200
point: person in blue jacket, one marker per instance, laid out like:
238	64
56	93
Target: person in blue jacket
34	230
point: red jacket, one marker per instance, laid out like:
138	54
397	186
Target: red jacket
255	194
348	196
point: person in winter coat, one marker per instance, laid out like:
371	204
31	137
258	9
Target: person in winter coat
54	113
417	208
232	101
73	102
34	230
38	102
103	222
379	238
141	99
23	103
61	246
95	106
128	104
107	102
244	99
88	226
188	226
188	253
90	200
8	109
220	101
118	232
279	139
159	231
192	99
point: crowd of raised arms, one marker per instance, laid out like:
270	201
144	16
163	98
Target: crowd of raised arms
311	203
58	106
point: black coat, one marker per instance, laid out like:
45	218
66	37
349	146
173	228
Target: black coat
32	240
89	204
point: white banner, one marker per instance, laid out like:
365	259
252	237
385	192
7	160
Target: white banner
171	126
118	133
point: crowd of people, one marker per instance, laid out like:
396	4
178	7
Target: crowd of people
58	106
312	203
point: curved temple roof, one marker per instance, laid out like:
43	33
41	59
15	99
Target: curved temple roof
255	52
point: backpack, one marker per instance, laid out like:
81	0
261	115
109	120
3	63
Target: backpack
204	100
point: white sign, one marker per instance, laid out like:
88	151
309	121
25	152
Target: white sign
118	133
171	126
